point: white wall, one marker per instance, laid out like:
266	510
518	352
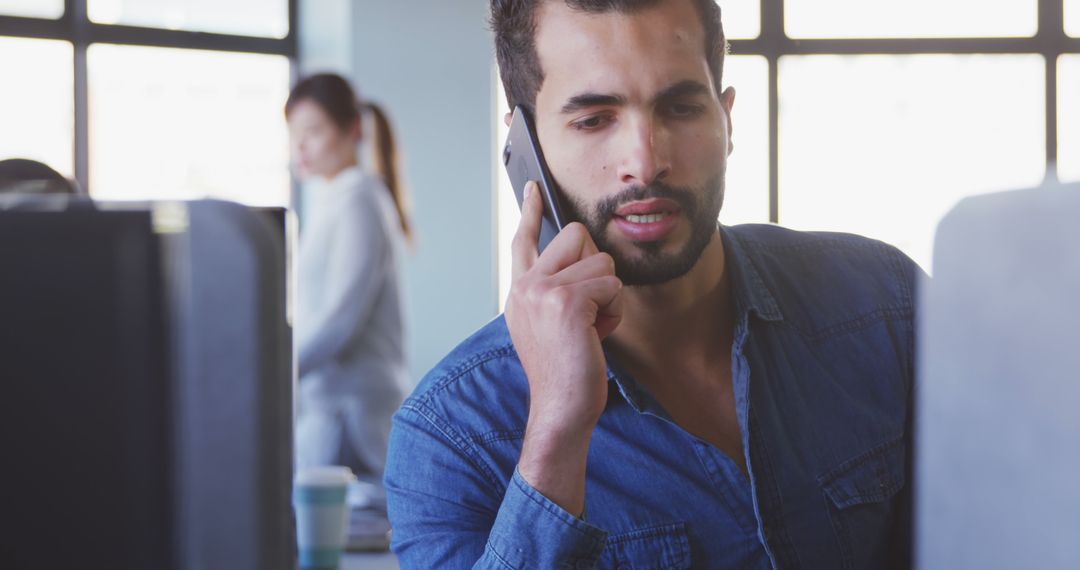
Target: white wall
429	63
326	32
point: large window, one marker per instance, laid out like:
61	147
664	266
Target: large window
877	116
214	120
885	113
897	140
142	99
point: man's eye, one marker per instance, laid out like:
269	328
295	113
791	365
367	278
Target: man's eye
685	110
590	123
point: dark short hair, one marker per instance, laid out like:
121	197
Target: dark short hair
24	176
514	23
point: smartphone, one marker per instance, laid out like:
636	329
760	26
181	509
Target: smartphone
524	162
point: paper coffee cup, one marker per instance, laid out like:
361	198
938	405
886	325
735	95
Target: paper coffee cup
321	515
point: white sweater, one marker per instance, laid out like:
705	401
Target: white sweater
349	330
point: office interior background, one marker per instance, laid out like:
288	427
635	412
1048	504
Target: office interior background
865	116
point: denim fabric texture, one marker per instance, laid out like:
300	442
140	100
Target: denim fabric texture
822	366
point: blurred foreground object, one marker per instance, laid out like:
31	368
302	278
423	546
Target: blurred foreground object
146	404
998	430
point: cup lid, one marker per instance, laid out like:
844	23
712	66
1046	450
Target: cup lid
324	475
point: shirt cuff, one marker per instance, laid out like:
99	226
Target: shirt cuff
532	531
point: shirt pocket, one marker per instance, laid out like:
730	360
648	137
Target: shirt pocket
652	548
860	492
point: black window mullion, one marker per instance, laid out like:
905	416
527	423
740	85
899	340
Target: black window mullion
1054	42
292	41
774	37
1051	119
75	18
774	139
76	27
155	37
36	28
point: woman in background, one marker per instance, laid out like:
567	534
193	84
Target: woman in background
349	337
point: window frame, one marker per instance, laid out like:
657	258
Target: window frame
1050	41
75	26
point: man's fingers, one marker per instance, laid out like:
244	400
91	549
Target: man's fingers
600	292
566	249
523	247
598	265
609	317
605	295
589	248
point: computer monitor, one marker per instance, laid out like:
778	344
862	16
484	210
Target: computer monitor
145	387
998	430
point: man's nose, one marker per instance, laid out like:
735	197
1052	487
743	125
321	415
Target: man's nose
645	157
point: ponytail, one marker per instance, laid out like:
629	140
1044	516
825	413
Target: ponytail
386	162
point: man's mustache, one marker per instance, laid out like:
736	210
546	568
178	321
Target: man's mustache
606	208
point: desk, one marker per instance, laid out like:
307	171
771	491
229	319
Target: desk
380	561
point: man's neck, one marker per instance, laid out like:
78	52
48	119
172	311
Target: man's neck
684	320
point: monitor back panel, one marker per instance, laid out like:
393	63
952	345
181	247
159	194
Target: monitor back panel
84	405
998	398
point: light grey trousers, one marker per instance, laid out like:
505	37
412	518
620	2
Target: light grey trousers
344	419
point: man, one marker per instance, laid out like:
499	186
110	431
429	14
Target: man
24	176
663	392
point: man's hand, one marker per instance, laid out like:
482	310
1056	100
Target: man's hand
562	304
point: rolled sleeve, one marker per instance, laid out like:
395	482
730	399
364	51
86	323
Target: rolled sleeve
531	531
449	510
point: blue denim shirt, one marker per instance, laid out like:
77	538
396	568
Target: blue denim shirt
822	365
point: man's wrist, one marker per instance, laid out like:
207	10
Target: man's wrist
553	462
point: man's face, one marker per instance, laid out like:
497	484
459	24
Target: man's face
634	132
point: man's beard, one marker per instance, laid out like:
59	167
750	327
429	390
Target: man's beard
649	265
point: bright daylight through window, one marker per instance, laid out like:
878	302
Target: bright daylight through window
52	9
1072	18
182	124
36	108
882	145
895	141
908	18
239	17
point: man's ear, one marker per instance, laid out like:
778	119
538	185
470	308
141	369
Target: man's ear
507	118
727	102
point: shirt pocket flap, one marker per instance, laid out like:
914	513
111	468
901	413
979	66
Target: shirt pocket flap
656	547
871	477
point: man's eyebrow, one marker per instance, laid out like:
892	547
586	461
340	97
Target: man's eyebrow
585	100
684	88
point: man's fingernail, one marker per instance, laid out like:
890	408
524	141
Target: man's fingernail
529	189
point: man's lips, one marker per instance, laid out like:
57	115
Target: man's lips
648	207
647	220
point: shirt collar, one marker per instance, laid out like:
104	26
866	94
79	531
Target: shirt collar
748	288
348	177
751	294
